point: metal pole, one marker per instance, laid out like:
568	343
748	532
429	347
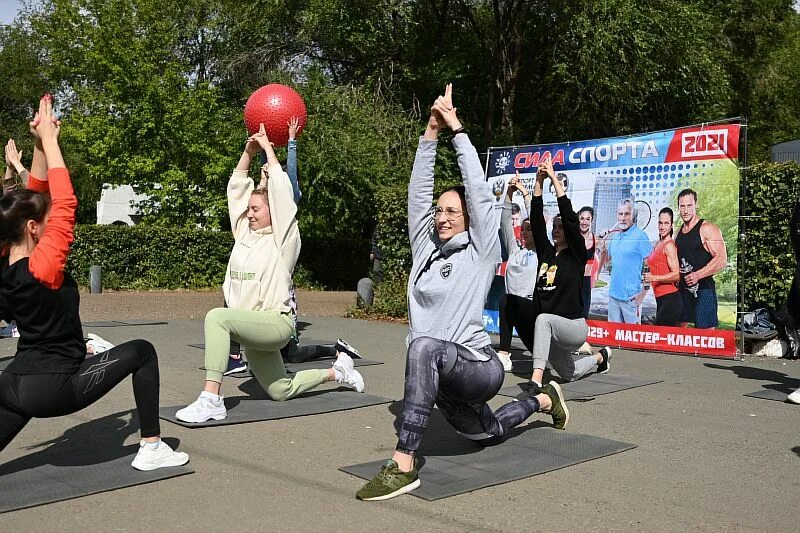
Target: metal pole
95	279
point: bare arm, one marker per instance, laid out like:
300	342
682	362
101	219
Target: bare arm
674	275
715	244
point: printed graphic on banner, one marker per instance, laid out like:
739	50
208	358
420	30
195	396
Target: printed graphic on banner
659	214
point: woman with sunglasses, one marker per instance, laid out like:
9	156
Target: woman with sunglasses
450	361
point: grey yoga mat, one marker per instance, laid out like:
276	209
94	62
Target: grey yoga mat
531	452
775	391
590	386
244	409
44	477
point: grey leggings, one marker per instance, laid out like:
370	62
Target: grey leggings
449	375
554	340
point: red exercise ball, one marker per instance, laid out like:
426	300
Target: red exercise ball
274	105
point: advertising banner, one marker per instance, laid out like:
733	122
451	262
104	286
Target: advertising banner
659	214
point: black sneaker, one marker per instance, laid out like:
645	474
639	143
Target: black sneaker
342	346
558	410
605	365
236	365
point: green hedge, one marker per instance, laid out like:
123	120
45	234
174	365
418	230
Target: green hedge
768	263
151	257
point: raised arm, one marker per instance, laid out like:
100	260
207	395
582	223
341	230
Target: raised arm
506	226
484	218
420	187
291	159
544	247
47	261
39	164
239	188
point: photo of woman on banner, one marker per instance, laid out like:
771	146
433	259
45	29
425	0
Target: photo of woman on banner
665	273
626	246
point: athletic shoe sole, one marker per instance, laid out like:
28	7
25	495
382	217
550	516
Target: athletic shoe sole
217	416
608	363
402	490
557	388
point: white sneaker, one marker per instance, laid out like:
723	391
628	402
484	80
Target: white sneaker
350	376
506	360
202	409
149	458
98	343
14	330
794	397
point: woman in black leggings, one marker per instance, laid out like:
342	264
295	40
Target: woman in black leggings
450	361
50	375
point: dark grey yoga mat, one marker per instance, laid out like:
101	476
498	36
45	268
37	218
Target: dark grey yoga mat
776	391
590	386
86	459
533	451
120	323
244	409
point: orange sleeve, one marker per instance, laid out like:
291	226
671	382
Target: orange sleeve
38	185
49	257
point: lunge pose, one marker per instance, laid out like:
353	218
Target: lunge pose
50	375
665	273
450	360
256	290
560	328
516	308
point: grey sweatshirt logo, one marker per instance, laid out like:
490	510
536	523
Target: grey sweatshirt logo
445	270
497	189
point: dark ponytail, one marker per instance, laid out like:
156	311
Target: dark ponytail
16	209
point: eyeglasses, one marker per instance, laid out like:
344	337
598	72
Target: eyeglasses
451	213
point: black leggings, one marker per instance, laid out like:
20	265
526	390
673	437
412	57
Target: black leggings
448	375
23	397
669	309
516	312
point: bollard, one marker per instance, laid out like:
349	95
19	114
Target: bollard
95	279
365	291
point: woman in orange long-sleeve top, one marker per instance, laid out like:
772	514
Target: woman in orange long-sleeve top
50	375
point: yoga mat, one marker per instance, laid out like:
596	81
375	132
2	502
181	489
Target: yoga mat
776	391
590	386
533	451
28	482
244	409
120	323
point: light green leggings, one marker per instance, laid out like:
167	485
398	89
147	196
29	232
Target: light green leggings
263	334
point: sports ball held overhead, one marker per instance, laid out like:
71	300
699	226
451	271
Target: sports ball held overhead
274	105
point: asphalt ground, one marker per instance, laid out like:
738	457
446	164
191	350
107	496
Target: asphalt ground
708	458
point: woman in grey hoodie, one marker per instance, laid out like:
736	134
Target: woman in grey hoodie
450	360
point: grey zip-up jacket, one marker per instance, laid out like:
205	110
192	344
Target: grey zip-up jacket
522	267
449	281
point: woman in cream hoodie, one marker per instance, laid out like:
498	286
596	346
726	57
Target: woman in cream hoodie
256	289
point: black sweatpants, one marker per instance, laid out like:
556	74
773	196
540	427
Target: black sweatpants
516	312
448	375
23	397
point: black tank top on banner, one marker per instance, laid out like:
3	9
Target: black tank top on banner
693	256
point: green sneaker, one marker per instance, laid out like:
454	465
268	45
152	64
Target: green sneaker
389	482
559	410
